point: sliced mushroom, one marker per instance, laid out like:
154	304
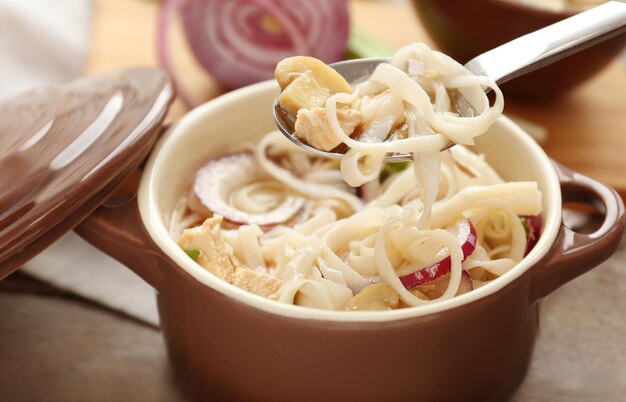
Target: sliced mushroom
307	82
378	296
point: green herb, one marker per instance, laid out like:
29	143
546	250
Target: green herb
391	168
362	44
193	253
525	224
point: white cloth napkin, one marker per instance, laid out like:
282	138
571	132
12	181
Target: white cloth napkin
46	42
74	265
42	42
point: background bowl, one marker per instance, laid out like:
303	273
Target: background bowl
465	29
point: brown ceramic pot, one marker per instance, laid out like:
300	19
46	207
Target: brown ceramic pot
228	344
465	29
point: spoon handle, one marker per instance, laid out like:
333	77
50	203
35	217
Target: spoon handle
547	45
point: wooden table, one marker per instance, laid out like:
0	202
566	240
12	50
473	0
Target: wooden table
56	347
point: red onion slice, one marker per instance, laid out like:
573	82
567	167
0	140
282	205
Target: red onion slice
240	41
218	179
466	235
533	226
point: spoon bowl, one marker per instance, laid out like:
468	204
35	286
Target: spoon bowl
353	71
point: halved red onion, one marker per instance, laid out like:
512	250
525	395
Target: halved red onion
219	178
466	235
533	231
240	41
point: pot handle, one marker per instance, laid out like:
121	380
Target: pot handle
573	253
120	233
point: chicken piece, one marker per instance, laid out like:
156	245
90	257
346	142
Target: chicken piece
259	283
380	116
209	248
375	297
313	128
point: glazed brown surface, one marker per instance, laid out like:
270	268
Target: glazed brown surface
64	149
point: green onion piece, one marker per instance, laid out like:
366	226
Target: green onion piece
362	44
525	224
193	253
391	168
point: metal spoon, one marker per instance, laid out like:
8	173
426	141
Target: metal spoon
513	59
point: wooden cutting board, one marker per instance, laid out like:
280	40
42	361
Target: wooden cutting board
586	128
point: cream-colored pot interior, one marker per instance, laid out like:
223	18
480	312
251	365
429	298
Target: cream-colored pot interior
244	115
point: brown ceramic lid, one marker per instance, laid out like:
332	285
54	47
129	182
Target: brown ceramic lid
64	150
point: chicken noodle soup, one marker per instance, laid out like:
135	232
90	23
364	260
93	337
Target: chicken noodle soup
286	225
